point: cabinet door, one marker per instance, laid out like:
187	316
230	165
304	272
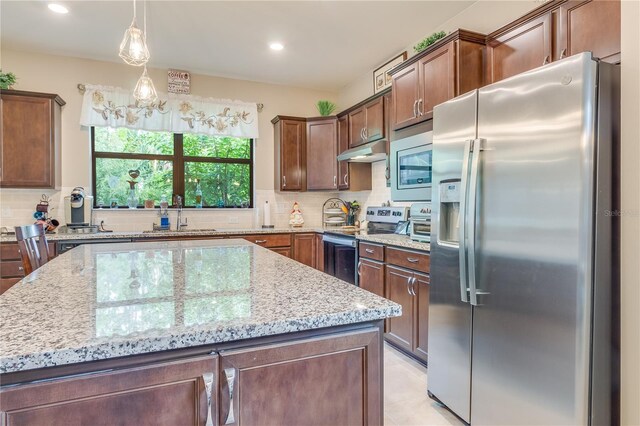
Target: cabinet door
592	25
371	276
421	288
322	150
330	380
171	393
27	149
374	114
292	155
304	249
285	251
400	329
343	145
388	108
437	79
357	123
319	252
522	48
405	93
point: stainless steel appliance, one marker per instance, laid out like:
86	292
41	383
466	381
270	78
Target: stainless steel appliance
420	226
410	163
521	249
64	246
367	153
341	246
78	212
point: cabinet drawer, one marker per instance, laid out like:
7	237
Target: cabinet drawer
11	268
408	259
9	251
270	240
7	283
371	251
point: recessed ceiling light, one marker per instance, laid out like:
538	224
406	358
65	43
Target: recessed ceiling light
57	8
276	46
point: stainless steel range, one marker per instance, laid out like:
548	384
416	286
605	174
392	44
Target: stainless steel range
341	246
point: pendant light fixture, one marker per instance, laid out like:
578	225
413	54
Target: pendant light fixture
133	49
145	92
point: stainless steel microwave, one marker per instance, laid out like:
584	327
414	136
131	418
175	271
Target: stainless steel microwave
411	174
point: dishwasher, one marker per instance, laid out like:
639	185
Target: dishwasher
66	245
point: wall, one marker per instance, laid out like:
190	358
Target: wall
483	16
57	74
630	219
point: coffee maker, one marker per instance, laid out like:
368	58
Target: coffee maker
77	212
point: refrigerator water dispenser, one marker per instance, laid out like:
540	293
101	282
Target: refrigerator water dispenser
449	213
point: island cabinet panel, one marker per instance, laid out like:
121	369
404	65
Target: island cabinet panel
304	249
171	393
329	380
371	276
322	149
30	130
592	25
290	153
519	49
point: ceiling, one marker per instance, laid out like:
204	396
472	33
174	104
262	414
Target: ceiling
328	44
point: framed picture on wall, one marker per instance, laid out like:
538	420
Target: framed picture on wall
381	78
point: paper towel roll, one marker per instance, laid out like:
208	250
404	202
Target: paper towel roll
266	219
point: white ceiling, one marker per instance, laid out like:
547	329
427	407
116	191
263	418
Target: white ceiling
328	44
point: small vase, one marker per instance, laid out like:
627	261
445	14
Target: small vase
132	199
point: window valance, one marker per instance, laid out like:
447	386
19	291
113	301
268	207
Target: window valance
104	106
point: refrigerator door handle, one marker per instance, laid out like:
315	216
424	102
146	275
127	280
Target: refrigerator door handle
462	245
471	219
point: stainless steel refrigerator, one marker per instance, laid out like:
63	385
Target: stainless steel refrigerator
522	247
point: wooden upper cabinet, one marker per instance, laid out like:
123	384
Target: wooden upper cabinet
357	122
30	137
519	49
322	150
343	145
592	25
374	124
177	392
452	66
290	153
405	95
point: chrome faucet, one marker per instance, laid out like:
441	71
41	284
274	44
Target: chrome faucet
179	224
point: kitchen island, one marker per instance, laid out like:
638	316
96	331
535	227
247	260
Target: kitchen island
189	332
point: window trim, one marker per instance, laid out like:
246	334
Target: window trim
179	159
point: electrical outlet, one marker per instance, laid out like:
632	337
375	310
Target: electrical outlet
233	219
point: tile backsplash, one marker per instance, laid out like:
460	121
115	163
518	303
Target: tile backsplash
17	207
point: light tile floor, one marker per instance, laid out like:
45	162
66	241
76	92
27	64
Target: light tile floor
405	394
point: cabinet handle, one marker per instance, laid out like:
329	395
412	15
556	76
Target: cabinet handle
563	53
413	259
415	108
230	376
370	251
359	268
387	173
335	181
260	241
284	181
208	385
346	182
365	133
20	268
546	60
420	110
409	286
413	288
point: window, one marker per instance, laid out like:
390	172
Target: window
171	164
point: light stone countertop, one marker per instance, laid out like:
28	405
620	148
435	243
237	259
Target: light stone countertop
103	301
395	240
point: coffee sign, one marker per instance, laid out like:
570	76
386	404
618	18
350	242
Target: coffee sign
179	82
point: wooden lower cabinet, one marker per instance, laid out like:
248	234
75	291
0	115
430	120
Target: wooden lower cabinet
319	380
285	251
169	393
319	252
410	289
371	276
304	248
11	268
332	380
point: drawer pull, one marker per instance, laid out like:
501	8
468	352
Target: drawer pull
413	286
261	241
208	386
409	285
413	260
230	375
359	268
370	251
20	268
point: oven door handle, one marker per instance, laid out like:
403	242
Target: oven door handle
339	241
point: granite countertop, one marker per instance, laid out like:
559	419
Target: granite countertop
397	240
155	234
102	301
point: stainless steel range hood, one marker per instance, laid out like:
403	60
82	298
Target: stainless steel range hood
367	153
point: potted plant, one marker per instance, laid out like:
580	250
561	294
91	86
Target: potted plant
428	41
7	80
325	107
